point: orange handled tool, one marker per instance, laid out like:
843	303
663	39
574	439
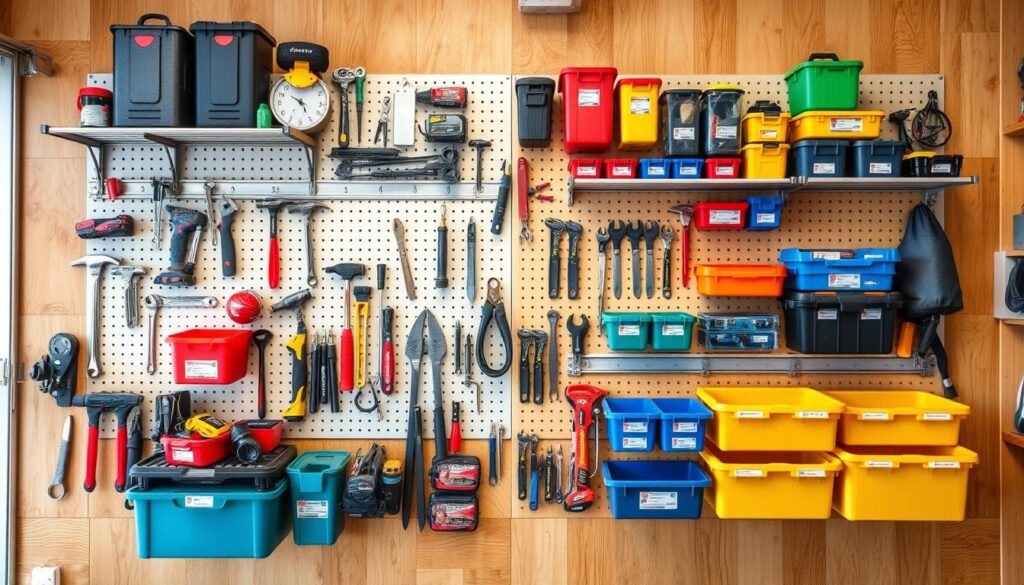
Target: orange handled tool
347	272
523	200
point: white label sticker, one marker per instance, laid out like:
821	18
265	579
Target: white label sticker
812	414
874	416
202	369
659	500
684	443
823	169
844	281
828	314
749	473
639	105
871	315
879	168
826	255
629	330
198	501
725	132
759	339
670	330
688	171
588	98
846	124
750	414
684	133
634	426
939	416
810	473
311	508
943	465
766	133
942	169
766	218
725	170
684	427
623	171
724	217
586	171
95	115
182	454
881	464
656	171
634	442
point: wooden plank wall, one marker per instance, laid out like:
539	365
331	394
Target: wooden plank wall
92	537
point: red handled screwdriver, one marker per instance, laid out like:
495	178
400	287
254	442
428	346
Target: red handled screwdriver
347	272
455	443
385	317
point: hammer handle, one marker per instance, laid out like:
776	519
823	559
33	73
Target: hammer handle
347	360
227	250
273	264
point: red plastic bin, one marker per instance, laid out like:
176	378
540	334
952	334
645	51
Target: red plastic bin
708	215
210	356
588	105
196	452
266	432
585	168
620	168
722	168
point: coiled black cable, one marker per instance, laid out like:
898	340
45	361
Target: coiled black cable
1015	287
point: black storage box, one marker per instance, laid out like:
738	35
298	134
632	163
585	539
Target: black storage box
680	122
233	65
720	120
153	80
876	158
818	158
534	96
946	165
841	322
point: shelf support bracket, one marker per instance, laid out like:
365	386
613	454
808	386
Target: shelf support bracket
171	148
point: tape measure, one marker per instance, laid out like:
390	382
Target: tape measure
207	425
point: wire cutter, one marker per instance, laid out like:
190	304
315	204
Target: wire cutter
383	121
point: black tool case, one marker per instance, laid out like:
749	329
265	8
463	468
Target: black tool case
154	470
534	96
841	322
233	65
153	79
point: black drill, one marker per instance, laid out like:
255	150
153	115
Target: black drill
186	230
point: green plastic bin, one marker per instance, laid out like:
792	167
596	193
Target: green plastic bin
823	82
317	480
627	331
672	331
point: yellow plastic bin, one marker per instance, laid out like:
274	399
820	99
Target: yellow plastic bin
638	112
765	161
901	483
779	485
762	127
836	125
771	419
899	418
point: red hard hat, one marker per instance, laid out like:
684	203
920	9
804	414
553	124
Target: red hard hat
244	307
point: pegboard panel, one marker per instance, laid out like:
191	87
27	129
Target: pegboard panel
353	231
808	220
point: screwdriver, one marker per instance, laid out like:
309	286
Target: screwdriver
443	97
386	366
498	219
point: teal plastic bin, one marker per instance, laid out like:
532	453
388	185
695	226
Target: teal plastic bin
672	331
627	331
210	521
318	480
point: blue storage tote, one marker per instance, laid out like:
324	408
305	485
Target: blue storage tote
210	521
819	158
318	481
632	423
654	489
681	425
655	168
820	270
765	212
876	158
687	168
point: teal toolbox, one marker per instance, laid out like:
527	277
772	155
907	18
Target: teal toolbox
671	331
627	331
318	483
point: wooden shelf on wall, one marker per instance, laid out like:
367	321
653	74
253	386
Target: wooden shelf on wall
1014	129
1013	439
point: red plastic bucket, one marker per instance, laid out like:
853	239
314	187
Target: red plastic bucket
210	356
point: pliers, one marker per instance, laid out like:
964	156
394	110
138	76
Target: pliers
383	121
493	309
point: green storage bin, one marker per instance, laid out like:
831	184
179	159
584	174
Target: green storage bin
823	82
627	331
672	331
318	481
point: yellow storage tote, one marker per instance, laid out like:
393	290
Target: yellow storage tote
762	127
893	418
784	485
771	419
638	112
765	161
836	125
900	483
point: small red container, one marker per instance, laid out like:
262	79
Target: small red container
197	452
722	168
588	104
620	168
210	356
585	168
708	215
266	432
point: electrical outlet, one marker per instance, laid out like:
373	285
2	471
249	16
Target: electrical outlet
46	575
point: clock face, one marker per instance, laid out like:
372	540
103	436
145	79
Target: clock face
304	108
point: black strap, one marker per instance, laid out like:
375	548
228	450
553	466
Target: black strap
942	361
494	312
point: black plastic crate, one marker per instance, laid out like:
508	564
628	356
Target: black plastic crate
818	158
841	322
153	79
876	158
534	96
154	470
233	65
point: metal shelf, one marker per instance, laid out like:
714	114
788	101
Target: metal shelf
815	184
704	364
331	190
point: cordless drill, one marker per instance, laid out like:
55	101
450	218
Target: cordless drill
186	230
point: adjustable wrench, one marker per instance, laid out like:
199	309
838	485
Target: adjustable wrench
635	233
667	235
153	304
651	231
616	234
602	265
575	231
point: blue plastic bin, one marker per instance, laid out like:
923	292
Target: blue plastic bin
687	168
210	521
318	481
818	158
682	423
876	158
821	270
654	489
655	168
765	212
632	423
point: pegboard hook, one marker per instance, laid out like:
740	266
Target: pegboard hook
929	197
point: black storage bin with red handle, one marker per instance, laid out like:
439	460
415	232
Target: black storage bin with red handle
153	79
233	65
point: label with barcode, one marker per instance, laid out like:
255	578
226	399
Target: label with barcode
684	427
684	133
749	473
634	442
588	98
202	369
940	416
876	168
846	124
674	330
639	105
198	501
823	169
629	330
942	169
943	465
828	314
812	414
634	426
844	281
766	133
311	508
724	217
766	218
810	473
659	500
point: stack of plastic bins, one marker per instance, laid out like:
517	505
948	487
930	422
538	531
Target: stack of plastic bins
901	459
765	130
767	452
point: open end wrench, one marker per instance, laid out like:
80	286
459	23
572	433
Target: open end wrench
667	235
556	226
56	488
635	233
553	317
651	231
602	266
616	233
575	230
94	266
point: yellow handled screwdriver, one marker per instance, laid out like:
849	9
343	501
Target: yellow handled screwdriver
362	321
